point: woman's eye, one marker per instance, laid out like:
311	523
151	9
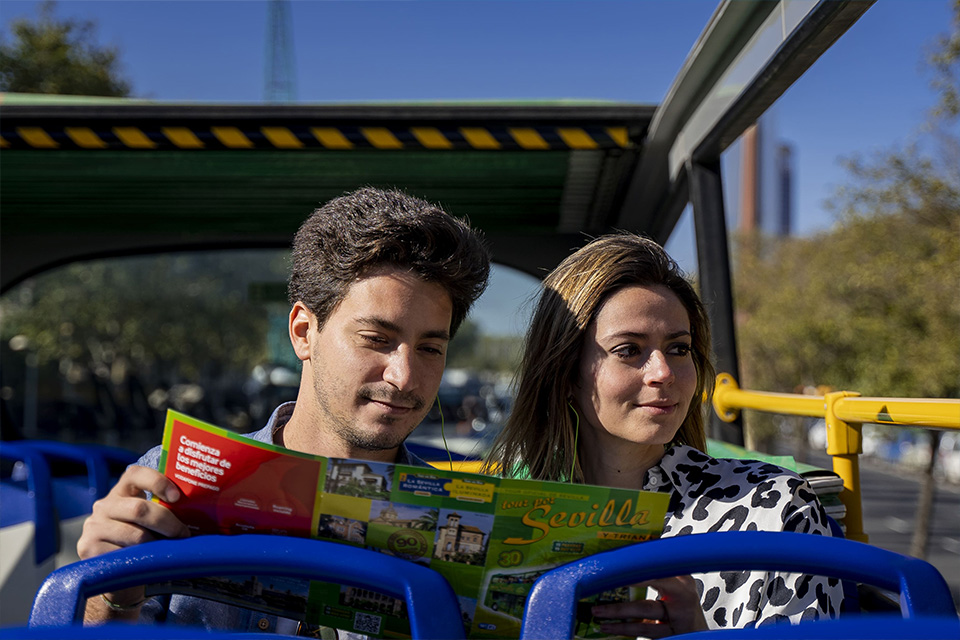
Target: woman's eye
626	351
681	349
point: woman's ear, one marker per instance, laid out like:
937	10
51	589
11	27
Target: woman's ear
301	319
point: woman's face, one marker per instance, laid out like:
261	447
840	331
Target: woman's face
636	374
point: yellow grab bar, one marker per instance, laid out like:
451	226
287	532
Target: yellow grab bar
939	413
844	413
923	412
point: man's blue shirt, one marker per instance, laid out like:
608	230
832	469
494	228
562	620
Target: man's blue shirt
197	612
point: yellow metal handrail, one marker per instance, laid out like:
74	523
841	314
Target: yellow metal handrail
844	413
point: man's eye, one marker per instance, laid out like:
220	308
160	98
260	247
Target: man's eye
432	350
373	339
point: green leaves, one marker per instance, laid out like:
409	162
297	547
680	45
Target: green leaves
872	305
59	57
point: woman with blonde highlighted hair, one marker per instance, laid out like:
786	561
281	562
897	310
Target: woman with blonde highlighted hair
610	392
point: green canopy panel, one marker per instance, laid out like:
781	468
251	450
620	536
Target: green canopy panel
93	177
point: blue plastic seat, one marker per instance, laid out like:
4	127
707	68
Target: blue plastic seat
882	627
431	604
125	631
551	606
28	496
28	529
80	474
75	494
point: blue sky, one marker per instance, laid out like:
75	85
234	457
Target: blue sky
868	92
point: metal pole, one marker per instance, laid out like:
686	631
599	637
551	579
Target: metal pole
706	196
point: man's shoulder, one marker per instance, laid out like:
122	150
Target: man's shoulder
405	456
152	457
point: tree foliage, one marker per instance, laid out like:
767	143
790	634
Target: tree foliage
473	349
181	329
191	309
59	57
946	78
872	305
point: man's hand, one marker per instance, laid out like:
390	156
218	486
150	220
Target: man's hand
124	518
677	610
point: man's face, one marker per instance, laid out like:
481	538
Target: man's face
378	360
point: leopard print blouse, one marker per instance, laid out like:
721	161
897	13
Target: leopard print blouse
709	494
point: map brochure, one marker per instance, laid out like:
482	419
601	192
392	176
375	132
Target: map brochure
490	537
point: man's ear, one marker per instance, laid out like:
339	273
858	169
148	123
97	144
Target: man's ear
301	319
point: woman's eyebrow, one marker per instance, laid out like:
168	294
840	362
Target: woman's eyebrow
637	335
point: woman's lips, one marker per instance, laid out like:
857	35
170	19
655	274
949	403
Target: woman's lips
659	408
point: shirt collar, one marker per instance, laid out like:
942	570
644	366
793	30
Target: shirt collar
658	476
282	414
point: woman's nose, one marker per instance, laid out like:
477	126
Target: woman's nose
657	369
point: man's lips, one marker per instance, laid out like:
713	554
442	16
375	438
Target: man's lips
394	404
393	407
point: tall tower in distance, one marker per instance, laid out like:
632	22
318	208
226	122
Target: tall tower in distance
784	177
281	84
766	180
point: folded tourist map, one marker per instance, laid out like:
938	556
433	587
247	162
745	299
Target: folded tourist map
491	538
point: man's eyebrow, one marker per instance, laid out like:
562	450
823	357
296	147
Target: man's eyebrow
386	325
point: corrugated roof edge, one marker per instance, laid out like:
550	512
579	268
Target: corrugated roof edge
49	99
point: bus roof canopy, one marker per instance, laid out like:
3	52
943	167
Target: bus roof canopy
94	177
84	177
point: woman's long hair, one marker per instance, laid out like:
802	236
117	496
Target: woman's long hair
539	439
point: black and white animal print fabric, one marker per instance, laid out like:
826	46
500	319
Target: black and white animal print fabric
709	494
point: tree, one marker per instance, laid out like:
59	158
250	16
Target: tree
59	57
427	521
472	349
943	61
155	323
872	304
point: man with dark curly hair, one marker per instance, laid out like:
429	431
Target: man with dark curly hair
380	283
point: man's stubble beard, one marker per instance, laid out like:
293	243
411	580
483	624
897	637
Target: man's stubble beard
345	428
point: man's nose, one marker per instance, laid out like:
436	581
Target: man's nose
399	369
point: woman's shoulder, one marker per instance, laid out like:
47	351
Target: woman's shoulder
695	463
730	494
696	474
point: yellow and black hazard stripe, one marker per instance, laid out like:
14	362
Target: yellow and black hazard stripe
532	138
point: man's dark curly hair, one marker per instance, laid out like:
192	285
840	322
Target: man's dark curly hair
348	237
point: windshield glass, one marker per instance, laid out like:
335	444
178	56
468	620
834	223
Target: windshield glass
97	351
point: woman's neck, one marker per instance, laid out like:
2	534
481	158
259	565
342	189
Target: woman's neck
618	463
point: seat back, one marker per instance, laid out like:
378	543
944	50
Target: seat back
551	606
80	474
28	529
851	596
28	496
880	627
431	604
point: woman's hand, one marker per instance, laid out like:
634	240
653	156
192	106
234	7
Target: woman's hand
677	610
